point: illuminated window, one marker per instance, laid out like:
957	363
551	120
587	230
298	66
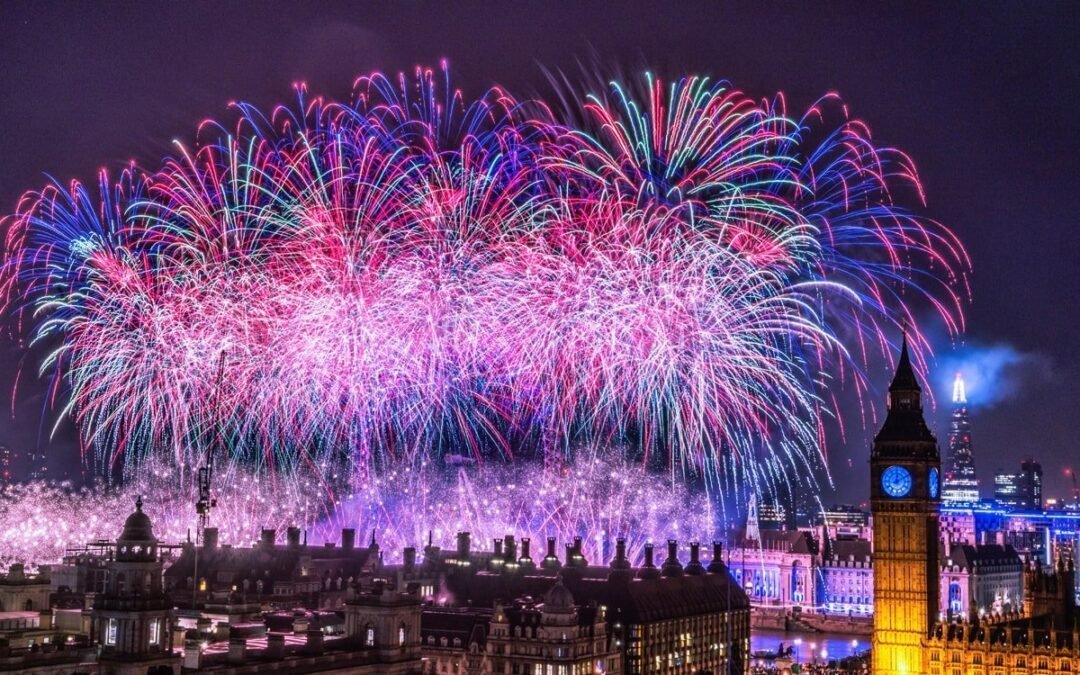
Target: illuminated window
369	636
110	632
401	636
155	632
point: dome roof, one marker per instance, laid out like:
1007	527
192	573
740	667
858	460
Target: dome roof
558	598
137	527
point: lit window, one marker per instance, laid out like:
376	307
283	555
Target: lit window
110	632
401	636
369	637
155	632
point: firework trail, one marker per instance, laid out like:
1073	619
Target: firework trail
675	270
594	499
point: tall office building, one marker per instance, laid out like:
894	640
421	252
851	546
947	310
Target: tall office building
1020	491
960	485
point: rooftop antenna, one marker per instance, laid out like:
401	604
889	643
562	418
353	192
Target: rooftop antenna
206	472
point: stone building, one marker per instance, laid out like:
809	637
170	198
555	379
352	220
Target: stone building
528	635
908	635
132	619
657	619
985	579
287	575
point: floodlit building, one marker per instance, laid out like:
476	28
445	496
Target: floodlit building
960	485
909	635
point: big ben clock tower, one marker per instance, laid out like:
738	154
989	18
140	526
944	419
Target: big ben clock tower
905	470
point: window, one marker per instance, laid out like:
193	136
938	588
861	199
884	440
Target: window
110	632
401	636
155	632
369	636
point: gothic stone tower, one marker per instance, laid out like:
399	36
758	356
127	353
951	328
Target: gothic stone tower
905	469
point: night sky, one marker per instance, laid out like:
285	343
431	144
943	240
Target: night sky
983	96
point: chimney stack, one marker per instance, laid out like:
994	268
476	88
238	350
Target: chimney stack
348	539
410	557
210	538
672	567
268	536
694	567
275	645
292	536
463	545
237	648
526	561
620	566
510	549
551	561
648	570
716	565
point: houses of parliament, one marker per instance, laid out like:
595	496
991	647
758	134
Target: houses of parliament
909	634
139	606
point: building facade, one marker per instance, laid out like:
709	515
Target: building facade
908	637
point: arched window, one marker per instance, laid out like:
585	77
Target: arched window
401	635
369	636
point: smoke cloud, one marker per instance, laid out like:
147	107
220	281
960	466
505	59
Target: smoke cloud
992	373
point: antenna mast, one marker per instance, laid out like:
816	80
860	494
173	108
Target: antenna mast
206	472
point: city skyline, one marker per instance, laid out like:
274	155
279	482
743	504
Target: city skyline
1034	365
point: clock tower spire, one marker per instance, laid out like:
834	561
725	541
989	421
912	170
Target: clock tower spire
905	466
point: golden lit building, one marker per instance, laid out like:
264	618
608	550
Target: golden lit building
905	470
909	636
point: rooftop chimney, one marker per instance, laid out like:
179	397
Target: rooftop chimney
510	548
314	643
210	537
672	567
464	541
620	566
526	560
410	557
275	645
348	539
292	536
716	565
551	561
694	567
620	562
648	570
237	649
268	536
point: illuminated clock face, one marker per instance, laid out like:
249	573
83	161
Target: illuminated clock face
896	481
933	483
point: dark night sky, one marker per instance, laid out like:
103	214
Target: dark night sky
982	95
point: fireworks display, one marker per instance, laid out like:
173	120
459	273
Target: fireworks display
676	270
596	499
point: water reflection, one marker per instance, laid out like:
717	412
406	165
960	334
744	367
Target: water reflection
809	647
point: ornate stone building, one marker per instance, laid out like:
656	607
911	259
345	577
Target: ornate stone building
905	470
908	636
131	620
